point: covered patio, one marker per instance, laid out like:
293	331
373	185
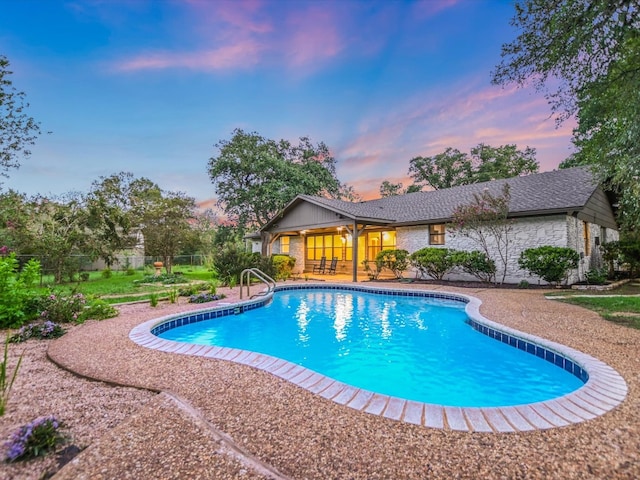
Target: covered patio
311	228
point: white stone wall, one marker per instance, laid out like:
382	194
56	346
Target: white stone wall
525	233
575	228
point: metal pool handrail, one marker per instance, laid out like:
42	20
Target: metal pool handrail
260	275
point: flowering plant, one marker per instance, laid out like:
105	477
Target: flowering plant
60	309
34	439
42	330
204	298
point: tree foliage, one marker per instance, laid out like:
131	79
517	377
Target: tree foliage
116	205
59	234
18	131
585	56
166	226
388	189
453	167
506	161
255	177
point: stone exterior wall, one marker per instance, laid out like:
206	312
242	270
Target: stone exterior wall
525	233
597	236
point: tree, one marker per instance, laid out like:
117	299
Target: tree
18	131
254	177
388	189
116	206
58	230
166	225
14	219
483	220
452	168
591	53
505	161
444	170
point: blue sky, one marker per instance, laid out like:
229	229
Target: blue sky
150	86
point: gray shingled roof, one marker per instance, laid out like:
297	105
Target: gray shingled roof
548	192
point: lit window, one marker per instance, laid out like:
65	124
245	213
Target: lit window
284	244
436	234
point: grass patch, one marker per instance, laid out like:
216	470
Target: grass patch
624	310
121	286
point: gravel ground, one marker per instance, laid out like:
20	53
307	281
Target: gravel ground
218	419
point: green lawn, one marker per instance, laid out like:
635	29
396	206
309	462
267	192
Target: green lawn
122	285
623	309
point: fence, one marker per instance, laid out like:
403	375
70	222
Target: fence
84	263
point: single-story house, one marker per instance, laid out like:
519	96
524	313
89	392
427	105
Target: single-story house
565	208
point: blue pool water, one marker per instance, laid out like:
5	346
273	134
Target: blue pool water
414	348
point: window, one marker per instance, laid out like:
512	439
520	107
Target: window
341	245
587	238
284	244
603	235
329	246
378	241
436	234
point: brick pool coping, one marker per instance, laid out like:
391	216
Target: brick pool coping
604	388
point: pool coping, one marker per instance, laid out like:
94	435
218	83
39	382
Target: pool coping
604	389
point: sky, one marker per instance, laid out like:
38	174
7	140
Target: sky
150	87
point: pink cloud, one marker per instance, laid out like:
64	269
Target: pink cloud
461	116
240	55
432	7
313	35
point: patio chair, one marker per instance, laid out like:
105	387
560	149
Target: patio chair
332	267
319	268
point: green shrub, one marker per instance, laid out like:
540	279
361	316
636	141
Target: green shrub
283	265
552	264
153	300
106	273
475	263
130	271
373	273
98	309
59	308
433	262
523	284
173	295
16	290
189	290
596	276
84	276
624	253
231	259
396	260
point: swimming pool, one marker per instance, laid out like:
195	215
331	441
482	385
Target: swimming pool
421	349
488	415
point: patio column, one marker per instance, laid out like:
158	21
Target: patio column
354	247
355	234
